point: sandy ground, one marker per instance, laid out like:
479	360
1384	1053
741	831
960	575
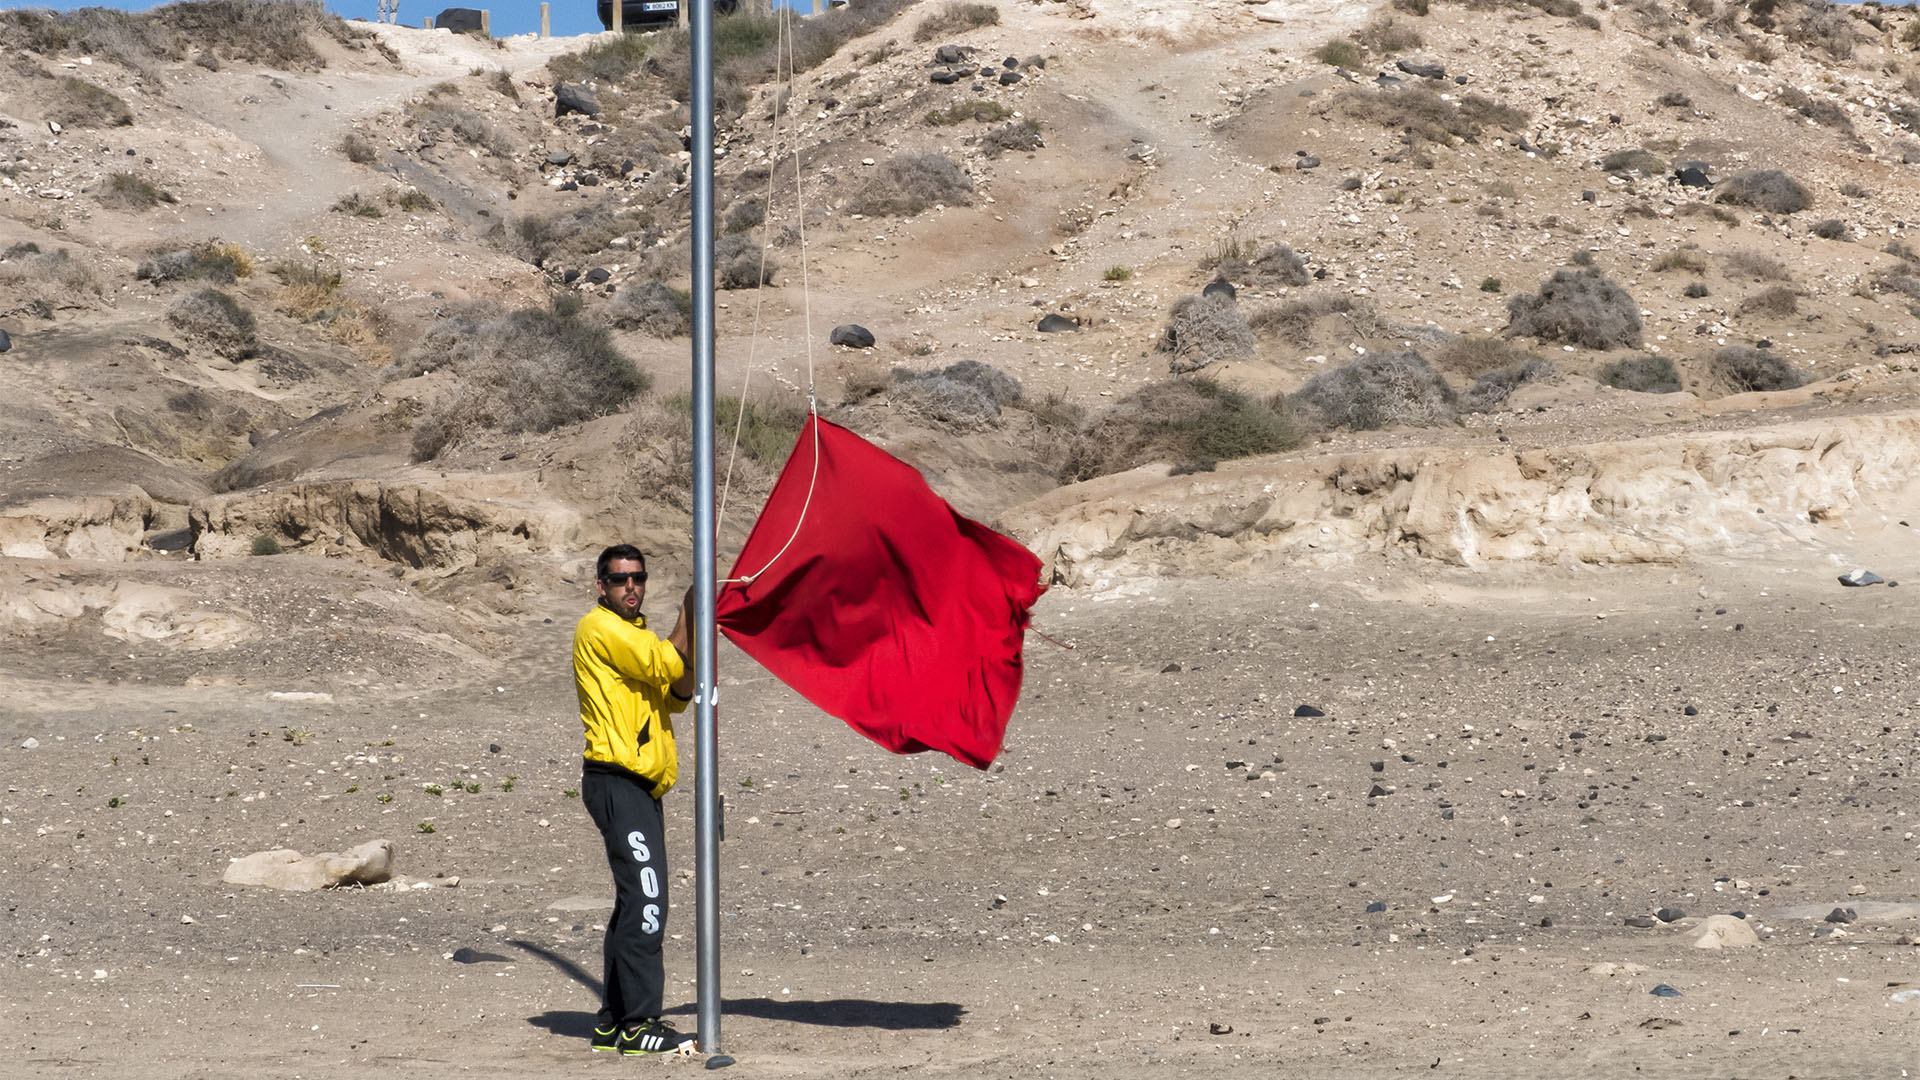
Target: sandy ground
1167	870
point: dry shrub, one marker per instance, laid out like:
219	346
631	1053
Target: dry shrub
439	122
210	261
1386	35
1686	257
306	289
1577	307
1697	209
962	396
1823	27
1644	162
1376	391
1830	229
661	435
956	17
1642	374
1819	110
270	32
1754	266
1424	114
911	183
1695	290
1018	136
608	60
1189	423
47	274
1475	356
1747	369
1768	190
1492	388
575	234
529	370
742	263
653	307
80	104
1778	301
1341	53
745	214
1203	329
1293	322
125	191
978	110
1275	265
358	148
218	319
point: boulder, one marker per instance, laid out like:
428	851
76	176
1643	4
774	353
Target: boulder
1055	324
1724	932
560	157
1217	287
1691	177
1422	69
947	76
6	343
599	275
949	54
369	864
853	336
575	98
459	20
1008	78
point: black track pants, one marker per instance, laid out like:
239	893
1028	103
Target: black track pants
630	823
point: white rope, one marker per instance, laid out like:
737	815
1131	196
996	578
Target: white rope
783	45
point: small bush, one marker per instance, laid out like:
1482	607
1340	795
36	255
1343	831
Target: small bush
358	205
125	191
741	263
1577	307
358	148
1768	190
1293	322
1778	301
1411	7
213	315
745	214
1472	356
1424	114
1203	329
80	104
1189	423
911	183
1494	387
1830	229
412	200
501	80
767	430
1746	369
978	110
1376	391
1852	189
1018	136
440	122
1118	273
1685	257
220	263
656	308
964	395
1694	290
531	370
265	545
1642	374
1490	284
1386	36
1819	110
609	60
1341	53
957	17
305	288
1644	162
1755	267
49	273
1825	28
575	234
1675	99
1274	266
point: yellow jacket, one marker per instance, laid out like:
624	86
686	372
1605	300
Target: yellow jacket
622	671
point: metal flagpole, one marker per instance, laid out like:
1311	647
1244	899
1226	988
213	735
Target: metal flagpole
706	815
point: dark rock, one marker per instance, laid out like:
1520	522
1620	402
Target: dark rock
1008	78
575	98
852	335
949	54
6	342
1589	196
1446	815
1376	906
1055	324
598	275
173	540
1639	922
1691	177
1377	790
1388	82
1841	915
1307	710
1217	287
589	180
1460	80
1859	578
464	955
1670	914
458	19
1036	62
570	277
568	186
1377	766
1010	63
493	748
560	157
1691	711
1170	669
1546	923
947	76
1663	990
989	72
1420	69
1305	161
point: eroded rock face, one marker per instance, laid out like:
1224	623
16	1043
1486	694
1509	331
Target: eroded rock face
401	522
104	527
1649	500
369	864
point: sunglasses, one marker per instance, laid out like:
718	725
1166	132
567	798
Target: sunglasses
621	579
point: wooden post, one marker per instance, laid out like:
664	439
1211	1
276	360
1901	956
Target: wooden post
617	16
544	28
680	17
426	23
816	6
486	23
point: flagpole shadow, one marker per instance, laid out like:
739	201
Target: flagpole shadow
845	1012
564	1022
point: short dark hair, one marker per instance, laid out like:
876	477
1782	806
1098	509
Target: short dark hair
618	551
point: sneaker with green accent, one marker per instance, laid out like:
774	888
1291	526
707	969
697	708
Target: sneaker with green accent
655	1037
607	1038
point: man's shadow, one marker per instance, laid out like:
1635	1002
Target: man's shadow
839	1012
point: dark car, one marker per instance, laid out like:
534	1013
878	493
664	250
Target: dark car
650	13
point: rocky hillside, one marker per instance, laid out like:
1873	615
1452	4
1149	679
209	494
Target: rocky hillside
272	282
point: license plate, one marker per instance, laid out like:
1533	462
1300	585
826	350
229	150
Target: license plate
661	5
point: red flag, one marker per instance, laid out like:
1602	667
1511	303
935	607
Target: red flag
886	608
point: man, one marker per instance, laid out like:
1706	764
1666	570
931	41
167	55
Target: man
631	684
